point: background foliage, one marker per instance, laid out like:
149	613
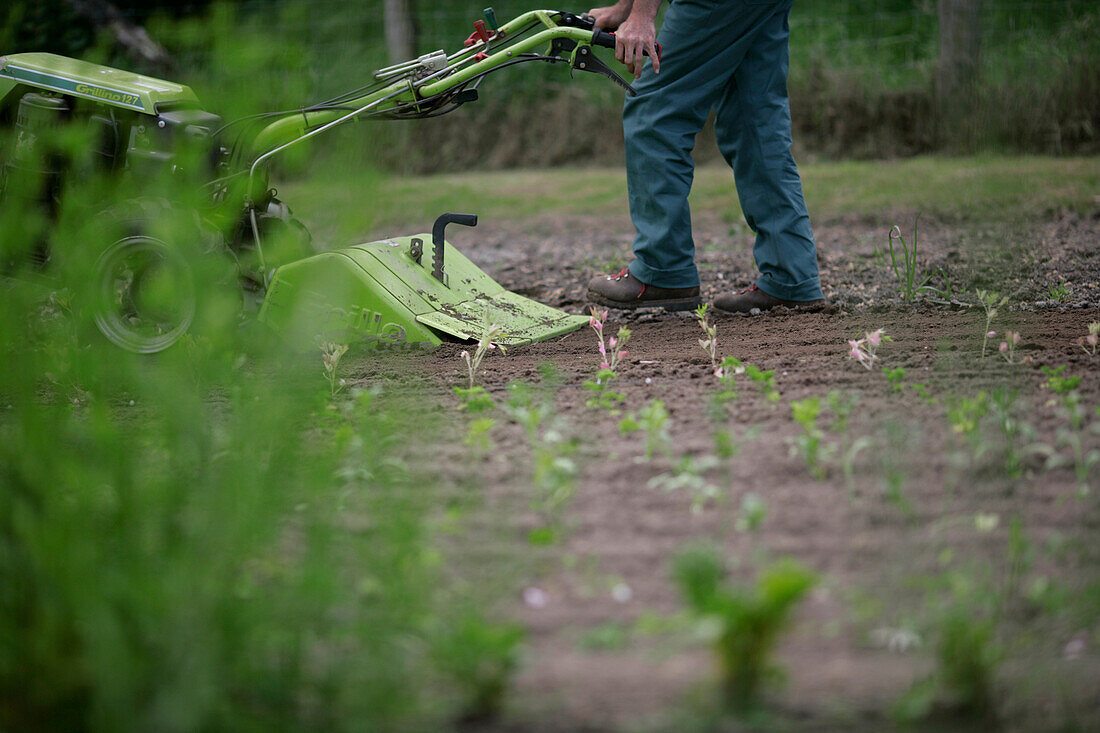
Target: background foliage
861	78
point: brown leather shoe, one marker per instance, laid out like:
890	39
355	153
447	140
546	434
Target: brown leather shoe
626	291
752	297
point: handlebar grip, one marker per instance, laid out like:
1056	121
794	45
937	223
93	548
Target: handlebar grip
607	40
603	38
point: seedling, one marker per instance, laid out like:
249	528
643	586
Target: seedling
754	510
1057	383
654	419
477	435
990	302
710	343
907	272
742	624
896	378
554	469
602	396
841	407
765	381
330	356
611	352
865	350
809	442
484	346
726	372
1089	343
554	474
480	658
690	475
1073	435
1008	346
1013	430
1060	292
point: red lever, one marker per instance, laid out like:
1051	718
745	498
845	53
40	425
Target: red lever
479	34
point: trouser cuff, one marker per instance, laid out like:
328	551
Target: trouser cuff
806	290
687	277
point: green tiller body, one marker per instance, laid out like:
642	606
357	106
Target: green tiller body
406	290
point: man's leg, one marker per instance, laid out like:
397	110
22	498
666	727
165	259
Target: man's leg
704	41
753	127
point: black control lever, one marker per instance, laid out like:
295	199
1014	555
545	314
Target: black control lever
438	230
585	60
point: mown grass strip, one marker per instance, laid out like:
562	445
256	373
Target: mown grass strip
958	189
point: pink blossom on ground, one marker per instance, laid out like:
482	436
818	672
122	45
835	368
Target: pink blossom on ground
535	597
875	337
856	352
991	334
1092	339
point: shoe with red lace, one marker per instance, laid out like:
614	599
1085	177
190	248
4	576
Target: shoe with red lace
753	298
623	290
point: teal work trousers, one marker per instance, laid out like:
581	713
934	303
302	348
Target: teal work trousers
730	56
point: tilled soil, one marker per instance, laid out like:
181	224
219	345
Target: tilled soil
608	646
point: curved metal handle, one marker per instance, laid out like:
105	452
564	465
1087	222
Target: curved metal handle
438	230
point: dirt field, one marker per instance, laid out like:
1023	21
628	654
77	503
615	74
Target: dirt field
609	646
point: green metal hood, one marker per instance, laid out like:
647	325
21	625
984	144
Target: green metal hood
91	81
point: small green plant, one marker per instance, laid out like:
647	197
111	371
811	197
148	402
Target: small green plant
841	407
690	475
710	343
1060	292
965	415
764	379
474	397
896	378
726	372
906	273
865	350
611	352
1057	383
1072	435
477	436
653	418
553	468
331	354
742	624
754	510
479	658
554	474
1089	343
1014	431
809	442
602	396
526	411
725	447
966	664
1008	346
991	302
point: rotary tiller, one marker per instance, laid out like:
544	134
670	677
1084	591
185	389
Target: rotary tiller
405	290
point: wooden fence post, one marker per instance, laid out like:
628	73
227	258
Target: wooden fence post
399	18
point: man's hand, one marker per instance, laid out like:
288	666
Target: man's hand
636	34
611	17
634	23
